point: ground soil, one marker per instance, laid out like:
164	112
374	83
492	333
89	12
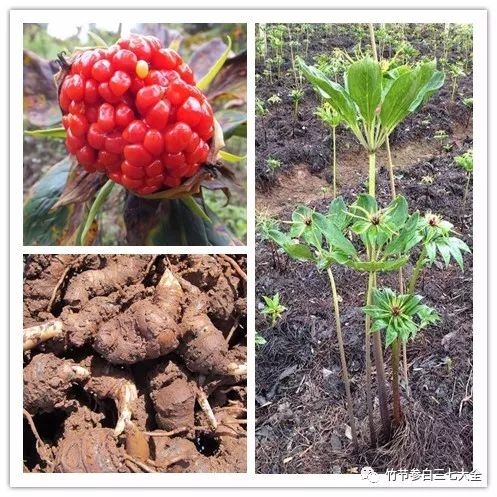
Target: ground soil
301	420
76	389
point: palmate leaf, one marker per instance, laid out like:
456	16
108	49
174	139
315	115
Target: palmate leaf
335	94
364	86
299	251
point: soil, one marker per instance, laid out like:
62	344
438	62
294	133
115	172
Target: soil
301	417
117	381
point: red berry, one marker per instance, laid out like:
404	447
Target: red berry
137	155
102	70
119	83
199	155
79	124
107	159
74	143
158	115
87	60
134	172
177	92
135	132
147	97
190	112
156	180
76	107
75	87
106	117
153	142
177	137
125	60
91	91
154	169
86	156
132	184
186	74
91	113
106	93
156	78
96	137
164	59
141	48
123	115
115	143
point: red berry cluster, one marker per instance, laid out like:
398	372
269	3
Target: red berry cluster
133	111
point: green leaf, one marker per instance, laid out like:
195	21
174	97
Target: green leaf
364	85
299	251
398	211
233	122
333	235
278	237
408	237
444	251
232	158
204	83
338	213
403	95
431	251
338	98
42	225
434	84
99	41
59	133
391	335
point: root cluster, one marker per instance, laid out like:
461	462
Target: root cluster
134	363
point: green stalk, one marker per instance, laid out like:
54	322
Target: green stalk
343	359
334	162
465	196
380	373
372	173
390	169
416	271
97	203
397	415
369	399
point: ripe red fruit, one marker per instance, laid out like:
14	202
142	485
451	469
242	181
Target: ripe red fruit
132	111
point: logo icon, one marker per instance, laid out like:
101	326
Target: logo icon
368	473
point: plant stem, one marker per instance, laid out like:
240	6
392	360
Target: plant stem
390	169
334	162
372	174
465	196
380	372
373	41
343	359
397	415
97	203
369	400
416	271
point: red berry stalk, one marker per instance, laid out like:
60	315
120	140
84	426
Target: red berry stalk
133	111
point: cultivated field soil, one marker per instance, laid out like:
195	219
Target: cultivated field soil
134	363
301	417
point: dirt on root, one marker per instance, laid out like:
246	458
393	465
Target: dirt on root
123	394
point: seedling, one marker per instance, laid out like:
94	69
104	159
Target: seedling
296	95
456	71
273	164
331	118
466	162
259	340
274	99
273	308
441	137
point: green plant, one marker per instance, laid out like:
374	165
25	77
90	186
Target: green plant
273	164
372	104
331	118
401	316
442	137
466	162
456	71
273	308
274	99
296	95
259	340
